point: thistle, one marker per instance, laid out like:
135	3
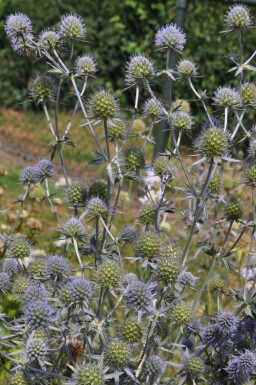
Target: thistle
71	27
4	280
89	374
103	105
134	159
57	267
164	167
138	295
98	188
10	266
131	330
18	25
18	378
193	367
43	89
73	228
234	209
76	193
213	142
36	350
226	97
49	40
168	270
148	246
108	274
147	214
250	174
181	314
238	17
139	68
85	66
117	354
181	121
248	93
96	207
154	367
29	175
45	169
20	248
152	108
186	69
170	37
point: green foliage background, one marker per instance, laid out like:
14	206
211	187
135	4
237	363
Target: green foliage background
117	29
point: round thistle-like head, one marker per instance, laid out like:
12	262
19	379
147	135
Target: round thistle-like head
128	234
49	40
36	350
116	129
193	367
181	121
164	167
170	37
238	17
71	27
19	248
227	97
250	174
10	266
240	367
213	142
80	289
43	88
214	185
4	280
234	209
181	314
117	355
98	188
37	267
186	69
187	279
172	250
108	274
154	366
29	175
218	283
85	66
131	330
103	105
96	207
138	295
89	374
38	314
148	246
20	285
65	295
57	267
139	68
73	228
18	25
226	323
45	169
18	378
134	159
248	93
34	293
152	108
168	270
147	214
76	193
22	45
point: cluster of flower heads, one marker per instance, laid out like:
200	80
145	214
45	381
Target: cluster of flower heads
32	174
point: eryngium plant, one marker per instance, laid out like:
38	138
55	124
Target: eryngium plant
132	303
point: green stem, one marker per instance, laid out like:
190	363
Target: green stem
212	264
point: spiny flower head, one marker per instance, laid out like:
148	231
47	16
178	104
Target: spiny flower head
117	354
10	266
21	283
164	167
234	209
226	323
248	93
45	169
147	214
85	65
168	270
128	234
4	280
38	314
193	367
214	185
36	349
131	330
152	108
29	175
71	27
154	366
240	367
238	17
186	69
57	266
76	193
139	68
108	274
49	40
116	129
19	248
37	267
73	228
89	374
103	105
181	121
170	37
250	174
23	45
18	378
148	245
181	314
43	88
213	142
217	283
96	207
80	289
134	159
35	292
187	279
18	25
98	188
138	295
227	97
